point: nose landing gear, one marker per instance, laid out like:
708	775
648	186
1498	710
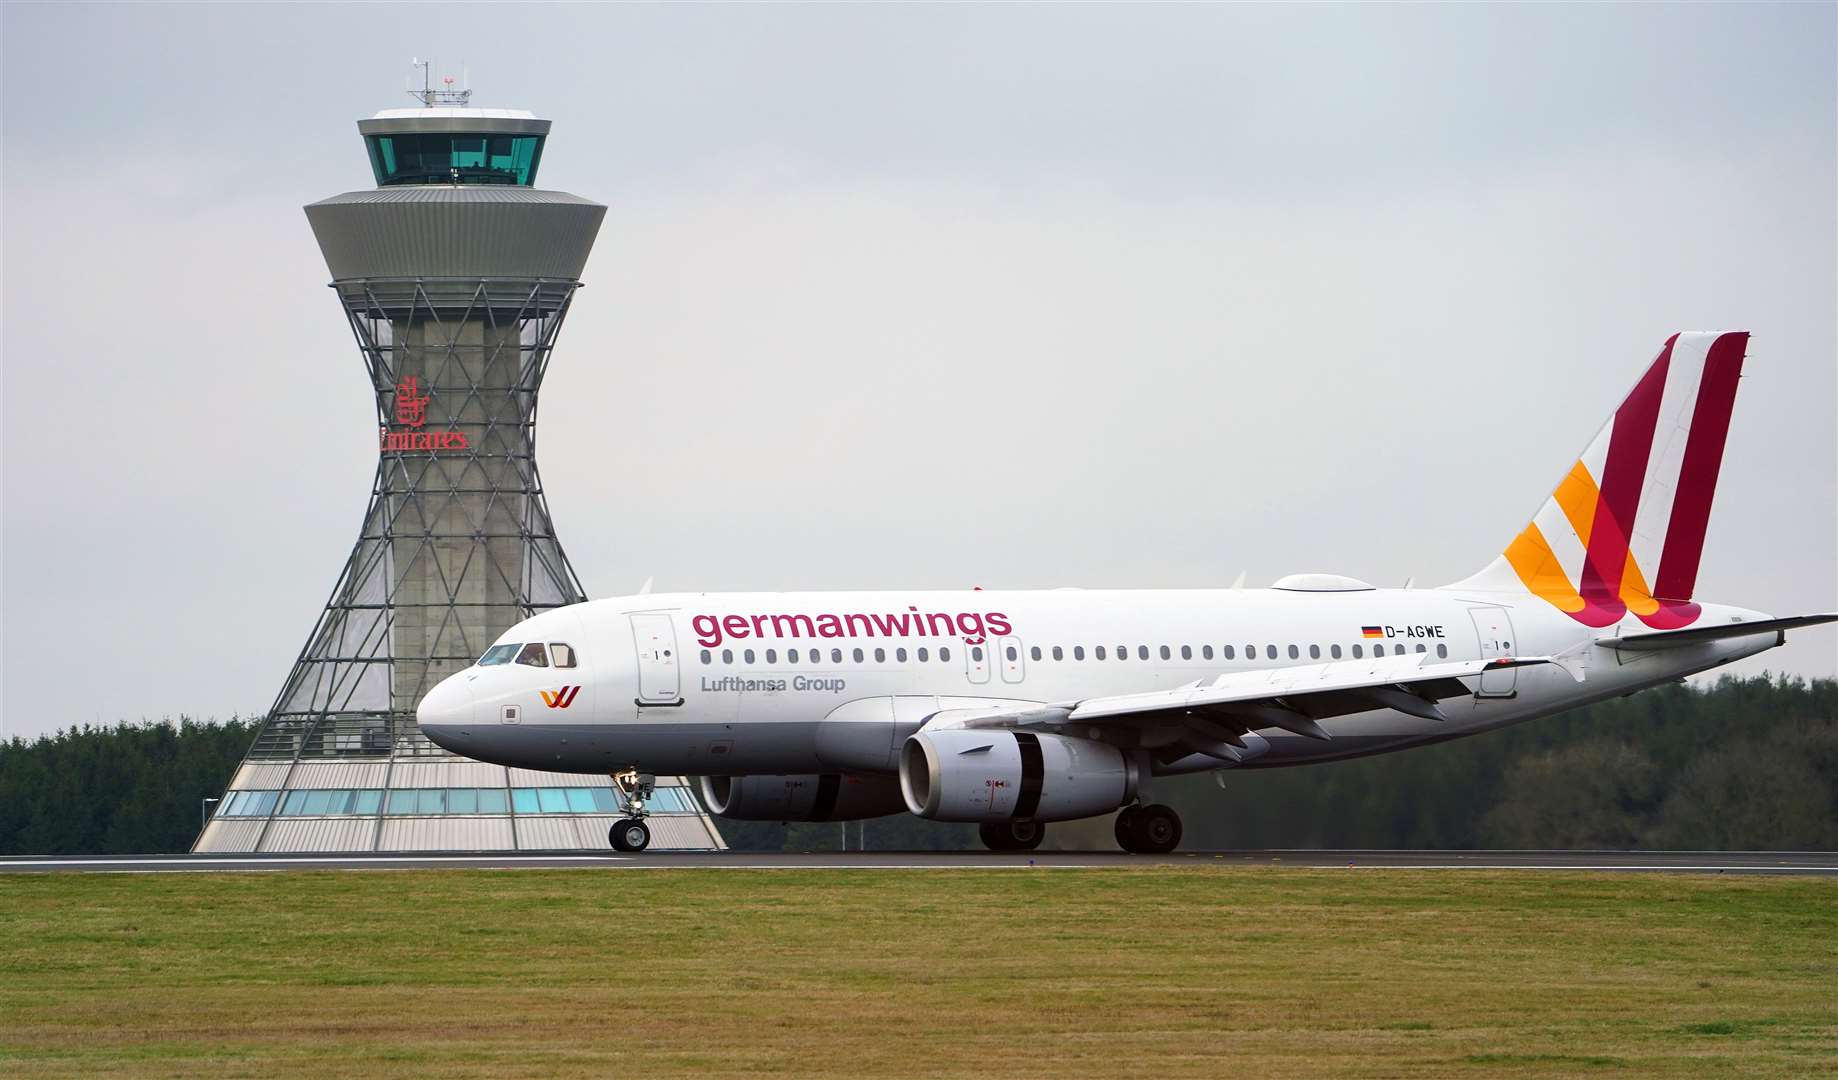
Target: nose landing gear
1148	830
630	833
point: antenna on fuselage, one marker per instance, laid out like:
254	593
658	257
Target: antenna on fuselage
1238	582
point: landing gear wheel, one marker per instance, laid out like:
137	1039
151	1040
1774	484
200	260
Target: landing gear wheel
1158	830
1148	830
1011	835
1126	827
630	834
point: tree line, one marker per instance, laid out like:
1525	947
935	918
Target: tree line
1741	764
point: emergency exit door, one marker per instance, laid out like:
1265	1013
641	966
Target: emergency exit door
1495	628
658	679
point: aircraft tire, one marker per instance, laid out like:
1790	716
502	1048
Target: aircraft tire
1011	835
1156	829
1126	827
630	834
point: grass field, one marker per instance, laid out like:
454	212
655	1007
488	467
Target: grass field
1154	973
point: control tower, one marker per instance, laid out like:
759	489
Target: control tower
455	274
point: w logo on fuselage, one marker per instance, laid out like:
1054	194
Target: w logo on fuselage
560	699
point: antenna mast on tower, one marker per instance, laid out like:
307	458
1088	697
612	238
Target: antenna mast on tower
432	98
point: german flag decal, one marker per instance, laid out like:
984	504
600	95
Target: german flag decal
1371	631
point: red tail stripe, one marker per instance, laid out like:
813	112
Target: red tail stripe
1629	445
1697	477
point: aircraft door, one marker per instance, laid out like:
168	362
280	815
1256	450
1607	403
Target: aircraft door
1495	629
1009	655
976	661
658	677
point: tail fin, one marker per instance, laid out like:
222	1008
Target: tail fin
1625	527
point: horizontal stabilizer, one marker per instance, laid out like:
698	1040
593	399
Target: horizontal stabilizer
1698	635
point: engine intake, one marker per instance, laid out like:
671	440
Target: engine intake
820	797
975	775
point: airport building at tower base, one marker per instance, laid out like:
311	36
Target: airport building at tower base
436	803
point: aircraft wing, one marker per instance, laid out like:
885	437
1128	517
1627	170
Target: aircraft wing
1209	715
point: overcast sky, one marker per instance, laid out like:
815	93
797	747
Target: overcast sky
911	296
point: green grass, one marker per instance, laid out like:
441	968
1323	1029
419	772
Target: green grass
1108	973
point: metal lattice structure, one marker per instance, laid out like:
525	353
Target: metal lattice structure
457	546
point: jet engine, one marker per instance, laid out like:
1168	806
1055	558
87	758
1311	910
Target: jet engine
820	797
999	775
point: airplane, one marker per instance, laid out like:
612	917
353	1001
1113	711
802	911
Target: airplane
1015	709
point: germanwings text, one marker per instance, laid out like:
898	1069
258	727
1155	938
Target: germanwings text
712	630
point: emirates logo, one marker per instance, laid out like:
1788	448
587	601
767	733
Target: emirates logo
411	404
412	413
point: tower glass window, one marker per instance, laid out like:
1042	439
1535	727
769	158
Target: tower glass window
442	157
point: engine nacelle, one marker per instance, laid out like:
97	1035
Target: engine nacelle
996	775
821	797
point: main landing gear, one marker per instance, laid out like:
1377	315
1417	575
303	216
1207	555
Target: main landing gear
630	833
1012	835
1148	830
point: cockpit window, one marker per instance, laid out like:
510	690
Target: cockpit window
498	654
561	653
533	655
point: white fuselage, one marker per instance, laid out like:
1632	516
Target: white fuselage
783	683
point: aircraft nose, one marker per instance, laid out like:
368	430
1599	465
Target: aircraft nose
445	714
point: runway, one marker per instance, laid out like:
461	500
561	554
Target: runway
1677	862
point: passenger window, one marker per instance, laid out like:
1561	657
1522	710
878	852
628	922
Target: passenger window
1166	654
1270	651
791	656
1187	652
900	655
1358	652
747	655
1123	652
1011	653
835	656
772	656
727	656
1295	653
1142	652
1314	652
498	654
1206	652
1420	648
1250	652
1228	652
944	654
922	655
976	652
533	655
1034	652
707	657
562	654
1098	652
1334	651
1058	653
1442	651
858	656
880	656
1078	652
